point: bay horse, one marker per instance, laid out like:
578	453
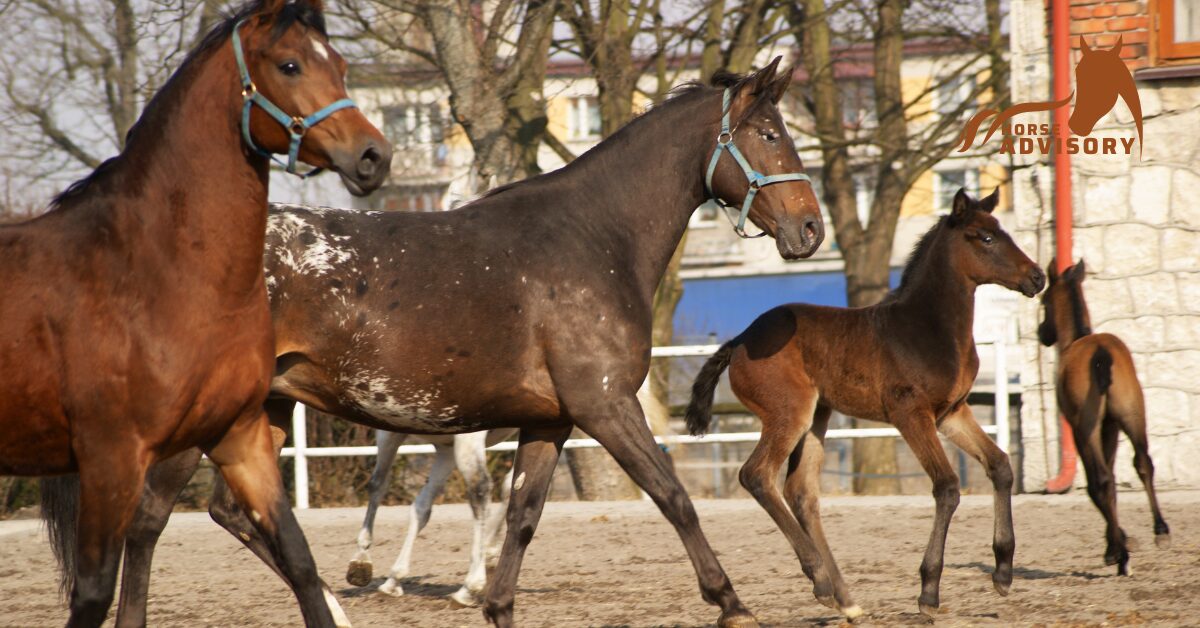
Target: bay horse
530	307
1099	394
134	321
909	360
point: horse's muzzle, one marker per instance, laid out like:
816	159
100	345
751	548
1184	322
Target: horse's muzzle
1034	282
800	241
364	170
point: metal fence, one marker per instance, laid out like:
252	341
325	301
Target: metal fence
999	430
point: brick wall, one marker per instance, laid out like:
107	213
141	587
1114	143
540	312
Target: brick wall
1102	22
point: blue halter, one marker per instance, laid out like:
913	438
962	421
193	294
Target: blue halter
295	125
756	178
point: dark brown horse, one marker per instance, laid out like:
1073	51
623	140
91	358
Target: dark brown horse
909	361
1099	394
134	321
528	308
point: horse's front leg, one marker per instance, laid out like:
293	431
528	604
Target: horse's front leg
164	482
247	458
962	430
419	513
360	570
919	432
470	456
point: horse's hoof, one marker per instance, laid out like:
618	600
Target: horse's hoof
359	573
737	619
928	610
1002	588
392	588
463	598
1163	541
853	613
827	600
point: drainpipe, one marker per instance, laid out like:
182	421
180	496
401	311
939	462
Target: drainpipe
1061	51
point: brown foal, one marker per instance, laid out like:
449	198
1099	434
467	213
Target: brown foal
1099	394
909	361
134	321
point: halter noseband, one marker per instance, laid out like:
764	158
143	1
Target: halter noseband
295	125
756	178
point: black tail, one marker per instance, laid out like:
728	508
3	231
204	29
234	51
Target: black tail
60	513
699	410
1102	362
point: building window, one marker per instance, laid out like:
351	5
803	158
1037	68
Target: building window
1177	23
583	118
948	183
954	95
414	125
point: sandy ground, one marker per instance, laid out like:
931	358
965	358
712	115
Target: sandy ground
618	564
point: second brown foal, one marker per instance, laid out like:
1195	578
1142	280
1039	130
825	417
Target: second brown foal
909	361
1099	394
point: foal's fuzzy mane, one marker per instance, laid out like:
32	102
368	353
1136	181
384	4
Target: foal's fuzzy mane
167	96
917	257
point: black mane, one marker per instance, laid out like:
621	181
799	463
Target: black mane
919	252
166	98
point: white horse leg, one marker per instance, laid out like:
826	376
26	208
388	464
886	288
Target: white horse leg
443	464
360	570
494	532
471	457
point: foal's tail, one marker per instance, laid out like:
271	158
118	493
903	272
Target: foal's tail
699	410
60	514
1102	362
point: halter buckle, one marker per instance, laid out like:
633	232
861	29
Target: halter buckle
249	90
727	138
297	127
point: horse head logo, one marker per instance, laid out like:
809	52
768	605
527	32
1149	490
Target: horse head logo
1100	76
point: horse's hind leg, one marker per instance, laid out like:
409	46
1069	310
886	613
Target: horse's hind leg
493	533
419	513
1133	423
470	456
1102	489
619	425
108	498
537	454
247	460
803	491
164	482
784	423
919	432
962	429
359	572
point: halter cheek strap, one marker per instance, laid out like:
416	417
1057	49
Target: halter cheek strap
757	179
296	126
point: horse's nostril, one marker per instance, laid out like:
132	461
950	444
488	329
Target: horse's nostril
812	231
369	162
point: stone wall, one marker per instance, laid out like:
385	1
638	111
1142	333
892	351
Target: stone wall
1137	224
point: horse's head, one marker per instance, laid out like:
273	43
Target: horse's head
787	209
1100	77
984	252
289	61
1062	303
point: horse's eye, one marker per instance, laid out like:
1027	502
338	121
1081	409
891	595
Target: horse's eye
290	68
986	238
769	136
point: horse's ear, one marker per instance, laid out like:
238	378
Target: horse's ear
1116	50
750	88
779	86
1080	271
1083	46
988	204
1052	270
960	210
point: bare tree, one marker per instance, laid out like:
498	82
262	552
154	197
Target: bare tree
74	76
492	57
898	150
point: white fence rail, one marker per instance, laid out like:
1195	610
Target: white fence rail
302	452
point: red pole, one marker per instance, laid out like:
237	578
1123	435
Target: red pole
1060	35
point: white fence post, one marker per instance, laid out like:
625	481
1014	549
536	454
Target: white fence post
1001	388
300	444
